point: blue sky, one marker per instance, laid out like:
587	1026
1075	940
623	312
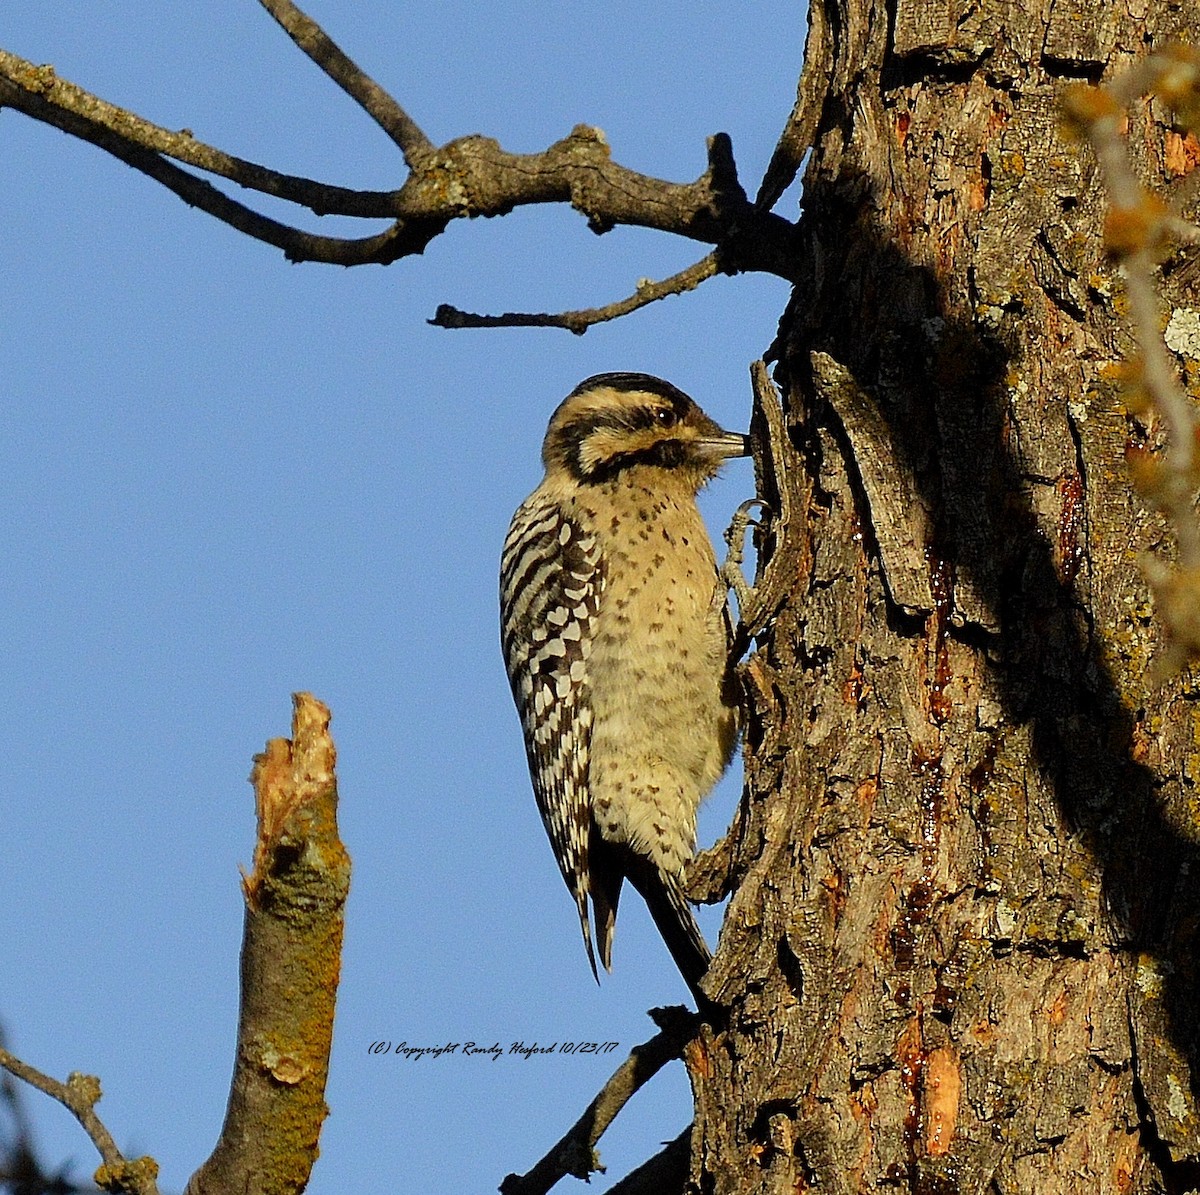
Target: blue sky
227	478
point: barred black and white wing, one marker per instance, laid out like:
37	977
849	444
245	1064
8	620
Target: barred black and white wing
550	586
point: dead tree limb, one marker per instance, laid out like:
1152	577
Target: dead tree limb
471	176
291	957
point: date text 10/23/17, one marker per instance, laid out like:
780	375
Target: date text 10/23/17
520	1049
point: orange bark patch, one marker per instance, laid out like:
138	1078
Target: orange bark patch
866	792
984	1032
852	690
864	1104
943	1085
1181	155
1139	745
1058	1010
695	1057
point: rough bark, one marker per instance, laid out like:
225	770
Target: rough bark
959	952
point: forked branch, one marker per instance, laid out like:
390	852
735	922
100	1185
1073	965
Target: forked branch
79	1095
575	1153
471	176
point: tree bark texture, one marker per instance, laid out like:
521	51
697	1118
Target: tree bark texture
959	955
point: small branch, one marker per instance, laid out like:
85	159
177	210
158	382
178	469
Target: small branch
1137	228
664	1174
372	98
21	1170
575	1153
79	1095
580	321
291	955
297	245
39	92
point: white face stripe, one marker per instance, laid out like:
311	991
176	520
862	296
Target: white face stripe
614	419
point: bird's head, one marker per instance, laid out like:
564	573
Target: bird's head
615	422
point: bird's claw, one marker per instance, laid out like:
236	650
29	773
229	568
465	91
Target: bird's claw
735	538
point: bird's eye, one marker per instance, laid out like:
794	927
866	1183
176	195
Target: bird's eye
665	417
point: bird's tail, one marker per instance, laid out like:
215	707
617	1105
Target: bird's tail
668	905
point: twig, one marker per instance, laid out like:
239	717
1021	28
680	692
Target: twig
372	98
291	952
664	1174
21	1170
39	92
79	1095
580	321
1138	225
575	1153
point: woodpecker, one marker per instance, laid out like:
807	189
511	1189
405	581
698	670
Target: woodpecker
615	634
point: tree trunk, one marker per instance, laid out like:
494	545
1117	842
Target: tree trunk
959	953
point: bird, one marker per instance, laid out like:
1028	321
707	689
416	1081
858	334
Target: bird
615	633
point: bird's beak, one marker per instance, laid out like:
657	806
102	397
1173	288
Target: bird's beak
725	445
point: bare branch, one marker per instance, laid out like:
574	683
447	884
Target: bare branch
291	952
22	1172
79	1095
663	1174
322	49
580	321
472	176
575	1153
296	244
39	92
